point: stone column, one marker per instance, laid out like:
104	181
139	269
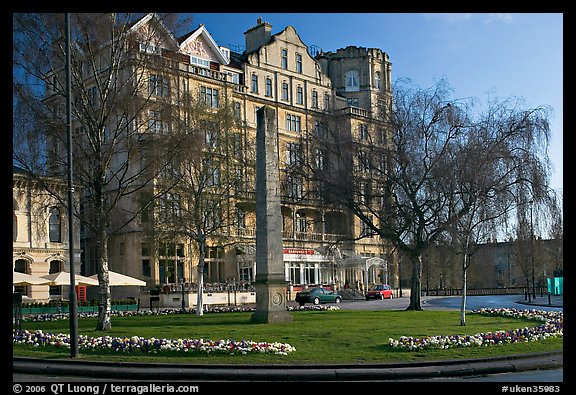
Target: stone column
270	281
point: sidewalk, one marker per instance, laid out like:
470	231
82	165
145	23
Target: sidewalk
544	301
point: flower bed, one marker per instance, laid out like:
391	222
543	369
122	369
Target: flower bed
153	345
552	326
167	311
139	344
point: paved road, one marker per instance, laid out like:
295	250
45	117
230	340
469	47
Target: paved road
453	303
537	376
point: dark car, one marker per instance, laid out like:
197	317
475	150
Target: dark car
317	296
379	291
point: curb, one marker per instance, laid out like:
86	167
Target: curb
370	372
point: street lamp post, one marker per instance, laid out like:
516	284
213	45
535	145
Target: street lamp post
73	306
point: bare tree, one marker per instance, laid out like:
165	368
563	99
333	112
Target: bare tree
470	230
487	175
112	95
414	196
556	231
210	168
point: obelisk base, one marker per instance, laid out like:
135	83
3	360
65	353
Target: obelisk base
270	303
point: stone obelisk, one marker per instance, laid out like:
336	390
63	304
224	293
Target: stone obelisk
270	281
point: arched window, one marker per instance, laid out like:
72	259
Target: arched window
55	267
377	80
352	78
21	266
55	226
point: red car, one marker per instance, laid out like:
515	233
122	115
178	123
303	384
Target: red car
380	292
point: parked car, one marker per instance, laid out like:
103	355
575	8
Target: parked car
317	296
379	291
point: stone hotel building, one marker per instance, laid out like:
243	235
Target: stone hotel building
305	87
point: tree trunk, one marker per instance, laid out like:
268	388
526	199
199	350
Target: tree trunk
416	286
101	238
200	280
104	305
463	304
200	293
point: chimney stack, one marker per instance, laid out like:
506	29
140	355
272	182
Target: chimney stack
258	35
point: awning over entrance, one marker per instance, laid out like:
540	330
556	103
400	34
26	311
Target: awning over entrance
290	254
350	259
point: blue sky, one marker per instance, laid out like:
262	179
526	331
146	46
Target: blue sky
478	54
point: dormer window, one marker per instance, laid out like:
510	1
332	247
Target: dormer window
225	53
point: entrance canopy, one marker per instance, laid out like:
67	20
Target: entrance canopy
19	278
63	278
119	279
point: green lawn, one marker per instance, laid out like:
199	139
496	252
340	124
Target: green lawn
319	336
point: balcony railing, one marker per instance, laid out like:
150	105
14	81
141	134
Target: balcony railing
298	236
356	111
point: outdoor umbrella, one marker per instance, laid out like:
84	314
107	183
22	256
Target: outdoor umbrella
118	279
63	278
19	278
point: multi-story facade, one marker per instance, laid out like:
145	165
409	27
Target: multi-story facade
275	70
40	244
